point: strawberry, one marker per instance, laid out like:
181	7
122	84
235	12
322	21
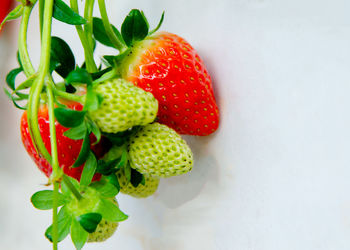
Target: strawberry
4	9
104	230
167	66
68	149
123	106
142	190
157	150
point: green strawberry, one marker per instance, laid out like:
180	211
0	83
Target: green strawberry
104	230
157	150
141	191
123	106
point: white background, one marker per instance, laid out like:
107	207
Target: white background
274	176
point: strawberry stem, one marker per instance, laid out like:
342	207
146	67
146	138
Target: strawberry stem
22	42
88	50
88	28
108	27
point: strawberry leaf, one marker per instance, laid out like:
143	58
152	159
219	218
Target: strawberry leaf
69	118
84	151
92	100
89	221
65	189
78	234
158	26
135	27
110	211
100	33
107	168
64	222
95	130
14	100
89	170
113	179
63	13
100	73
127	172
105	187
11	77
43	200
76	133
62	59
79	76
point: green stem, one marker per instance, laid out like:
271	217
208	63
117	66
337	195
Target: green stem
22	42
56	171
41	15
88	51
56	185
68	96
88	28
71	187
108	27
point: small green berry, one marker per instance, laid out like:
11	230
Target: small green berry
123	106
141	191
158	151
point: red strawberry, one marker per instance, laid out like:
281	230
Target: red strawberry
4	9
68	149
168	67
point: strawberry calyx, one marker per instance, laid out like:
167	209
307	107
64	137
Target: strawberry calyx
81	217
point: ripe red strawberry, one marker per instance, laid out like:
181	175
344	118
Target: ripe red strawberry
4	9
68	149
168	67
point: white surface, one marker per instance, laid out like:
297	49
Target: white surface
275	175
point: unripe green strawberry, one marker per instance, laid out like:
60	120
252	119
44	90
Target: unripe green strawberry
141	191
123	106
158	151
104	230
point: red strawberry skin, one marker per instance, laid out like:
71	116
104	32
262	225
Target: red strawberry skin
67	149
4	9
168	67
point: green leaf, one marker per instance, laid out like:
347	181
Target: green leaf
135	27
62	59
110	211
92	102
89	170
78	234
107	168
26	84
64	188
14	14
127	172
105	187
77	133
100	73
136	177
100	33
89	221
11	78
43	200
79	76
69	118
95	130
14	100
113	179
158	26
64	222
64	13
84	151
124	159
